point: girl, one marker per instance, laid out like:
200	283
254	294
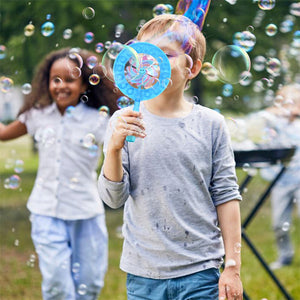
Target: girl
68	221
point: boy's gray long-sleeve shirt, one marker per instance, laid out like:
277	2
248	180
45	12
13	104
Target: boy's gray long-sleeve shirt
173	180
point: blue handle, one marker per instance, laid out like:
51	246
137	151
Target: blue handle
136	107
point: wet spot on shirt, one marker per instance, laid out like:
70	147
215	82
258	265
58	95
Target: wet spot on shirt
181	124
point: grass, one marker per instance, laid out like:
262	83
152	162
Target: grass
19	273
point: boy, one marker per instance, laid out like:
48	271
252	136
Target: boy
177	182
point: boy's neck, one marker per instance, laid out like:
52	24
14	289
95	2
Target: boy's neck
168	107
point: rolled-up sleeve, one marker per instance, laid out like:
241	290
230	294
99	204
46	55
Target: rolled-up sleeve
223	186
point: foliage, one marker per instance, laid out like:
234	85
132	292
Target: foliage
223	20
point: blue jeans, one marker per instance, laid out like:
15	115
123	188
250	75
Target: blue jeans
72	256
198	286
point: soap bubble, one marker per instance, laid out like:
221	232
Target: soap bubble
67	34
245	40
26	88
19	166
119	30
259	63
2	51
94	79
271	29
6	84
88	13
273	66
92	61
230	62
104	111
99	47
160	9
124	101
12	183
295	9
227	90
29	30
47	29
245	78
89	37
82	289
266	4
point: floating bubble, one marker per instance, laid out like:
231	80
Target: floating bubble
227	90
295	9
47	29
124	101
107	44
109	58
88	13
104	111
67	34
74	55
6	84
273	66
232	2
12	183
296	36
246	167
93	150
75	72
70	110
84	98
266	4
19	166
271	30
82	289
230	62
75	267
141	24
209	71
245	78
89	37
2	51
94	79
286	26
230	263
259	63
119	30
245	40
26	88
99	47
48	17
170	8
160	9
92	61
89	140
285	226
29	30
219	100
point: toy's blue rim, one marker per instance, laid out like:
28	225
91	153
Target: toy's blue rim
119	74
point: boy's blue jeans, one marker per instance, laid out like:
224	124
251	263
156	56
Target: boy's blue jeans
198	286
72	256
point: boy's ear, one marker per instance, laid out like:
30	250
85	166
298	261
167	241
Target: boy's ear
195	69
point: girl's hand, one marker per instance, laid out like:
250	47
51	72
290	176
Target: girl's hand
230	285
128	122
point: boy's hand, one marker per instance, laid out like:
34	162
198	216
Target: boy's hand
128	122
230	285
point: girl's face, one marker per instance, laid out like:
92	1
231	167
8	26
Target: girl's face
65	83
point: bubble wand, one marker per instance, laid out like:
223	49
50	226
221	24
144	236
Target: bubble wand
141	71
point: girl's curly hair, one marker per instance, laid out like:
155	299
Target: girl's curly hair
101	94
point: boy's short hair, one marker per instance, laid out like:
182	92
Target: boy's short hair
180	29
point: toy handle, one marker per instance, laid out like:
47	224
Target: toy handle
136	107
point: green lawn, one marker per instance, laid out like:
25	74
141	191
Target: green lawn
19	273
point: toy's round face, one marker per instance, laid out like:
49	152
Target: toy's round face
142	71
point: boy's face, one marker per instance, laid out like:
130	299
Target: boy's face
179	61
